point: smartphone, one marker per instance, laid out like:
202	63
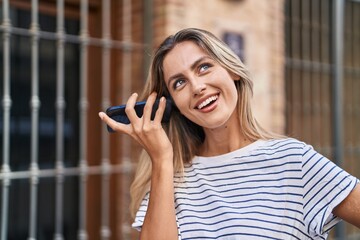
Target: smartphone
118	112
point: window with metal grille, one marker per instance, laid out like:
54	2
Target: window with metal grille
20	131
63	175
323	81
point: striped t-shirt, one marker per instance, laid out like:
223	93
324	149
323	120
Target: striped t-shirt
276	189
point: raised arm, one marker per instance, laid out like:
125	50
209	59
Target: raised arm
160	219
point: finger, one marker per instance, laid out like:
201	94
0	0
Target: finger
160	111
130	110
116	126
148	108
120	127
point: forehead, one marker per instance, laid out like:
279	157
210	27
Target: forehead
182	56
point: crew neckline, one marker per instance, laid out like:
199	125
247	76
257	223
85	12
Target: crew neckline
229	155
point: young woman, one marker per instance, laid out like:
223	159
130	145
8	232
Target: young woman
212	172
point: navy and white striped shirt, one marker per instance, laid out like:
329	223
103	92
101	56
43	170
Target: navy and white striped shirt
276	189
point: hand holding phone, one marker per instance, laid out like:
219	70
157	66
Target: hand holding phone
118	114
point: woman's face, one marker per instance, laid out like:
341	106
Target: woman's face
202	89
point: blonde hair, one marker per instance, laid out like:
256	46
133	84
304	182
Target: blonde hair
185	135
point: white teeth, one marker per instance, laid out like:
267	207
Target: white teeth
207	101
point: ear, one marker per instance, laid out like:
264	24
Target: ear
234	76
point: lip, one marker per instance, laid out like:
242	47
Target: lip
204	98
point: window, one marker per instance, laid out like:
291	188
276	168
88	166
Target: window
68	178
309	79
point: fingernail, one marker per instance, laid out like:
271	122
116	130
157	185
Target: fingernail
101	115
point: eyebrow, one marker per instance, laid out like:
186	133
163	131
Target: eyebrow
192	67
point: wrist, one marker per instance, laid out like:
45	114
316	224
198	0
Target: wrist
164	164
162	173
164	161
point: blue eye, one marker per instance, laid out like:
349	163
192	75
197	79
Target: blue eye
204	67
178	83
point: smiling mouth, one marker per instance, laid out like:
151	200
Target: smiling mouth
207	102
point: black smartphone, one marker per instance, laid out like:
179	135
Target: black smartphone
118	112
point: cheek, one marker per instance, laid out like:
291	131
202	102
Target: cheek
232	94
180	102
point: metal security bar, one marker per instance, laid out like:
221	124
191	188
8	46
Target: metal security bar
60	172
6	104
60	112
35	107
83	121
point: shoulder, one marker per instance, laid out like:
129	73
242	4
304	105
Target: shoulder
284	148
283	144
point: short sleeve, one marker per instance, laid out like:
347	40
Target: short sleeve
325	186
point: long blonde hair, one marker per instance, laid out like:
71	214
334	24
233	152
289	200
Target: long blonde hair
185	135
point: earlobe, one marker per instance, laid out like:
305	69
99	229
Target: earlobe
234	76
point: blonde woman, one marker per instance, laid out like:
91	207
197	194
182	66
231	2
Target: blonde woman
212	172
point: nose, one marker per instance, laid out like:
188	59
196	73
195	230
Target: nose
199	88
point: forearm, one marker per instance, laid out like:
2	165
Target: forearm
160	220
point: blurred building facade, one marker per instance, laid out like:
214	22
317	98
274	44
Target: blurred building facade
65	177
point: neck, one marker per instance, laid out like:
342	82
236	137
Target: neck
224	139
